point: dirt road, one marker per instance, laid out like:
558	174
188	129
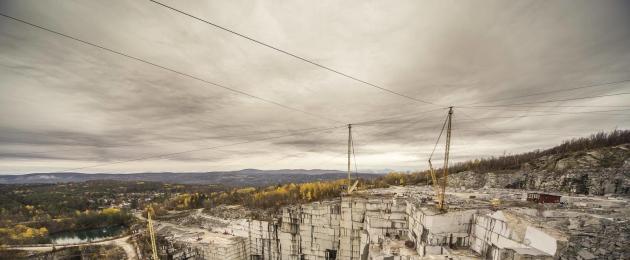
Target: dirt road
120	242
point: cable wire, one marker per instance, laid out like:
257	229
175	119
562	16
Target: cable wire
396	116
292	54
476	120
179	141
523	116
552	91
587	106
354	158
558	100
546	111
196	150
233	90
438	139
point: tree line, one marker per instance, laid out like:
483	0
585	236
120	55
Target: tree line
285	194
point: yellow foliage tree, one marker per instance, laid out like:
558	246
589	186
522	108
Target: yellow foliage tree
110	211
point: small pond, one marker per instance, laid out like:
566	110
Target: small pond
88	235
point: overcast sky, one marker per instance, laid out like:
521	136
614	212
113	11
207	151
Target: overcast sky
67	105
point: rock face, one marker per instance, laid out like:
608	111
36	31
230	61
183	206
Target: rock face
597	238
596	172
468	179
582	181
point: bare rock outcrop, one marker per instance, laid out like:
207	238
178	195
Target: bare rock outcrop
467	179
597	172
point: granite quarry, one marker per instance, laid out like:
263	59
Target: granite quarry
401	223
488	217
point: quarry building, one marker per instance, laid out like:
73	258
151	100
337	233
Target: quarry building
402	223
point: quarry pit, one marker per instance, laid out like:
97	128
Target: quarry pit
403	223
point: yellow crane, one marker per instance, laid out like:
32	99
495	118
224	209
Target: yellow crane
151	232
440	187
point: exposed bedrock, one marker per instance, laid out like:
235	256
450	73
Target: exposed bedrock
596	172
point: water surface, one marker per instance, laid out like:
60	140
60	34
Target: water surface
88	235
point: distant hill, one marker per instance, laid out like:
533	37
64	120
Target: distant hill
246	177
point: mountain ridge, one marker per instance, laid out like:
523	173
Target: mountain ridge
250	177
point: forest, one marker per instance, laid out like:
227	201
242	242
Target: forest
29	213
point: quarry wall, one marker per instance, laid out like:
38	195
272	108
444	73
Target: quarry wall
380	227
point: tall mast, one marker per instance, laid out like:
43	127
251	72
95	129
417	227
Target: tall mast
447	149
349	151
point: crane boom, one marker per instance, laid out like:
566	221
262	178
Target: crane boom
152	233
439	185
447	149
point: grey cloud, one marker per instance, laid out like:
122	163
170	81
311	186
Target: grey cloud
60	95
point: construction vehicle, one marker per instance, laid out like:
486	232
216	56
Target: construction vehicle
495	203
